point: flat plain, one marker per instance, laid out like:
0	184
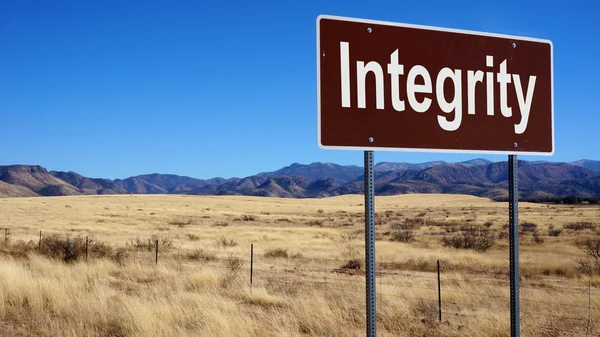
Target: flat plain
307	266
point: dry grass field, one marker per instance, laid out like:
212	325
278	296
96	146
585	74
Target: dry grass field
308	275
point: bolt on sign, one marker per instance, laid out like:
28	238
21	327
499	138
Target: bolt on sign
391	86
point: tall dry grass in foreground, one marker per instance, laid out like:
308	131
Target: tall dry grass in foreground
308	278
46	298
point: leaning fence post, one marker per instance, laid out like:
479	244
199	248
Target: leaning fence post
86	248
251	263
157	252
5	234
439	292
587	330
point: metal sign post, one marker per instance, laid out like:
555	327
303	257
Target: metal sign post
370	244
513	215
365	103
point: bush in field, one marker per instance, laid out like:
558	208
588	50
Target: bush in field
471	237
537	238
201	255
249	217
349	249
225	242
590	247
406	236
410	224
588	267
164	241
554	232
193	237
232	266
528	226
353	264
579	226
276	253
72	249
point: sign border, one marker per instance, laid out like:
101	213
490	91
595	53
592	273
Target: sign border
440	29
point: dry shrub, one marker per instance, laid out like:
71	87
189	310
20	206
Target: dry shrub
224	242
354	264
348	248
180	222
590	247
140	244
554	232
65	248
421	264
426	310
99	249
72	249
537	238
315	223
247	217
232	266
580	225
164	241
201	255
193	237
18	249
350	236
587	267
121	256
471	237
410	224
405	236
528	226
276	253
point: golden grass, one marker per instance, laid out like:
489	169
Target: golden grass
201	288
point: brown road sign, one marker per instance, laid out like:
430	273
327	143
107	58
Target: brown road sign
398	87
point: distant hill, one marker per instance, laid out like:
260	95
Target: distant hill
160	183
89	185
34	180
477	177
387	166
343	174
593	165
315	171
10	190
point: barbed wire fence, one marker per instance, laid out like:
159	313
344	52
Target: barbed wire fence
443	296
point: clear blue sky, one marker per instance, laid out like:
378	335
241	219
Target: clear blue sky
222	88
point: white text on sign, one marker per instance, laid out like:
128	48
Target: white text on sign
454	106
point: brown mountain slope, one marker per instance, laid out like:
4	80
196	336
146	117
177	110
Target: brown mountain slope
36	179
9	190
89	185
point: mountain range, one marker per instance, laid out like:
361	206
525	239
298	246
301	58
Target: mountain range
477	177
